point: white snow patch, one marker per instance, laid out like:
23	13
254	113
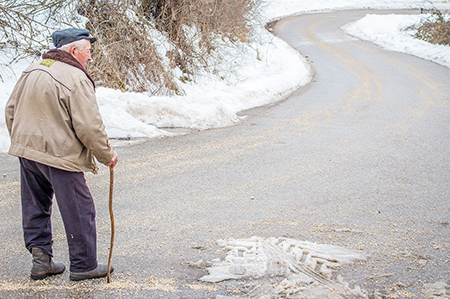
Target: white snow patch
391	32
308	268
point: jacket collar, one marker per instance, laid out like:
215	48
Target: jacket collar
65	57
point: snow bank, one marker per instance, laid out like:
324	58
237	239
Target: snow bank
275	9
390	32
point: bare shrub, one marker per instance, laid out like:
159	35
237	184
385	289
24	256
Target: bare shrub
211	20
26	27
19	23
436	28
127	56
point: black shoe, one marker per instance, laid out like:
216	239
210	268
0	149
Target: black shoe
100	271
43	265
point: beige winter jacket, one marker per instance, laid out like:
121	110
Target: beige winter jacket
53	118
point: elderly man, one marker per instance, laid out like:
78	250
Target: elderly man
56	131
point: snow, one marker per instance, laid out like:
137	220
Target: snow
390	34
307	269
268	71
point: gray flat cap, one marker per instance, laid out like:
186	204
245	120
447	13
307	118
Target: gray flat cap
66	36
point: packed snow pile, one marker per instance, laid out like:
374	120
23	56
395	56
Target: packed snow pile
395	33
308	268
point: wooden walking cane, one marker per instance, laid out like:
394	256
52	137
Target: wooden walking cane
111	215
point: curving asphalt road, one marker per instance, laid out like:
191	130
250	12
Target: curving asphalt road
359	158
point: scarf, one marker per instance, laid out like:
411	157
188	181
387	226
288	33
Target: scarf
65	57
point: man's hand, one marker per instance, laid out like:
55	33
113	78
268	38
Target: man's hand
113	161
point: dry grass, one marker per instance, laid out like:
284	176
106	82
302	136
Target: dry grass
127	56
436	29
18	27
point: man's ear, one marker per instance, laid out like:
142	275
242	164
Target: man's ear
72	50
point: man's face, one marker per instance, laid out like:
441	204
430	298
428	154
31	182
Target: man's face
83	55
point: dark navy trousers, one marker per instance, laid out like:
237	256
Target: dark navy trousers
39	183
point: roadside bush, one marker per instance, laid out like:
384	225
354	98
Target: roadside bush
435	29
21	23
125	54
133	58
141	45
210	18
